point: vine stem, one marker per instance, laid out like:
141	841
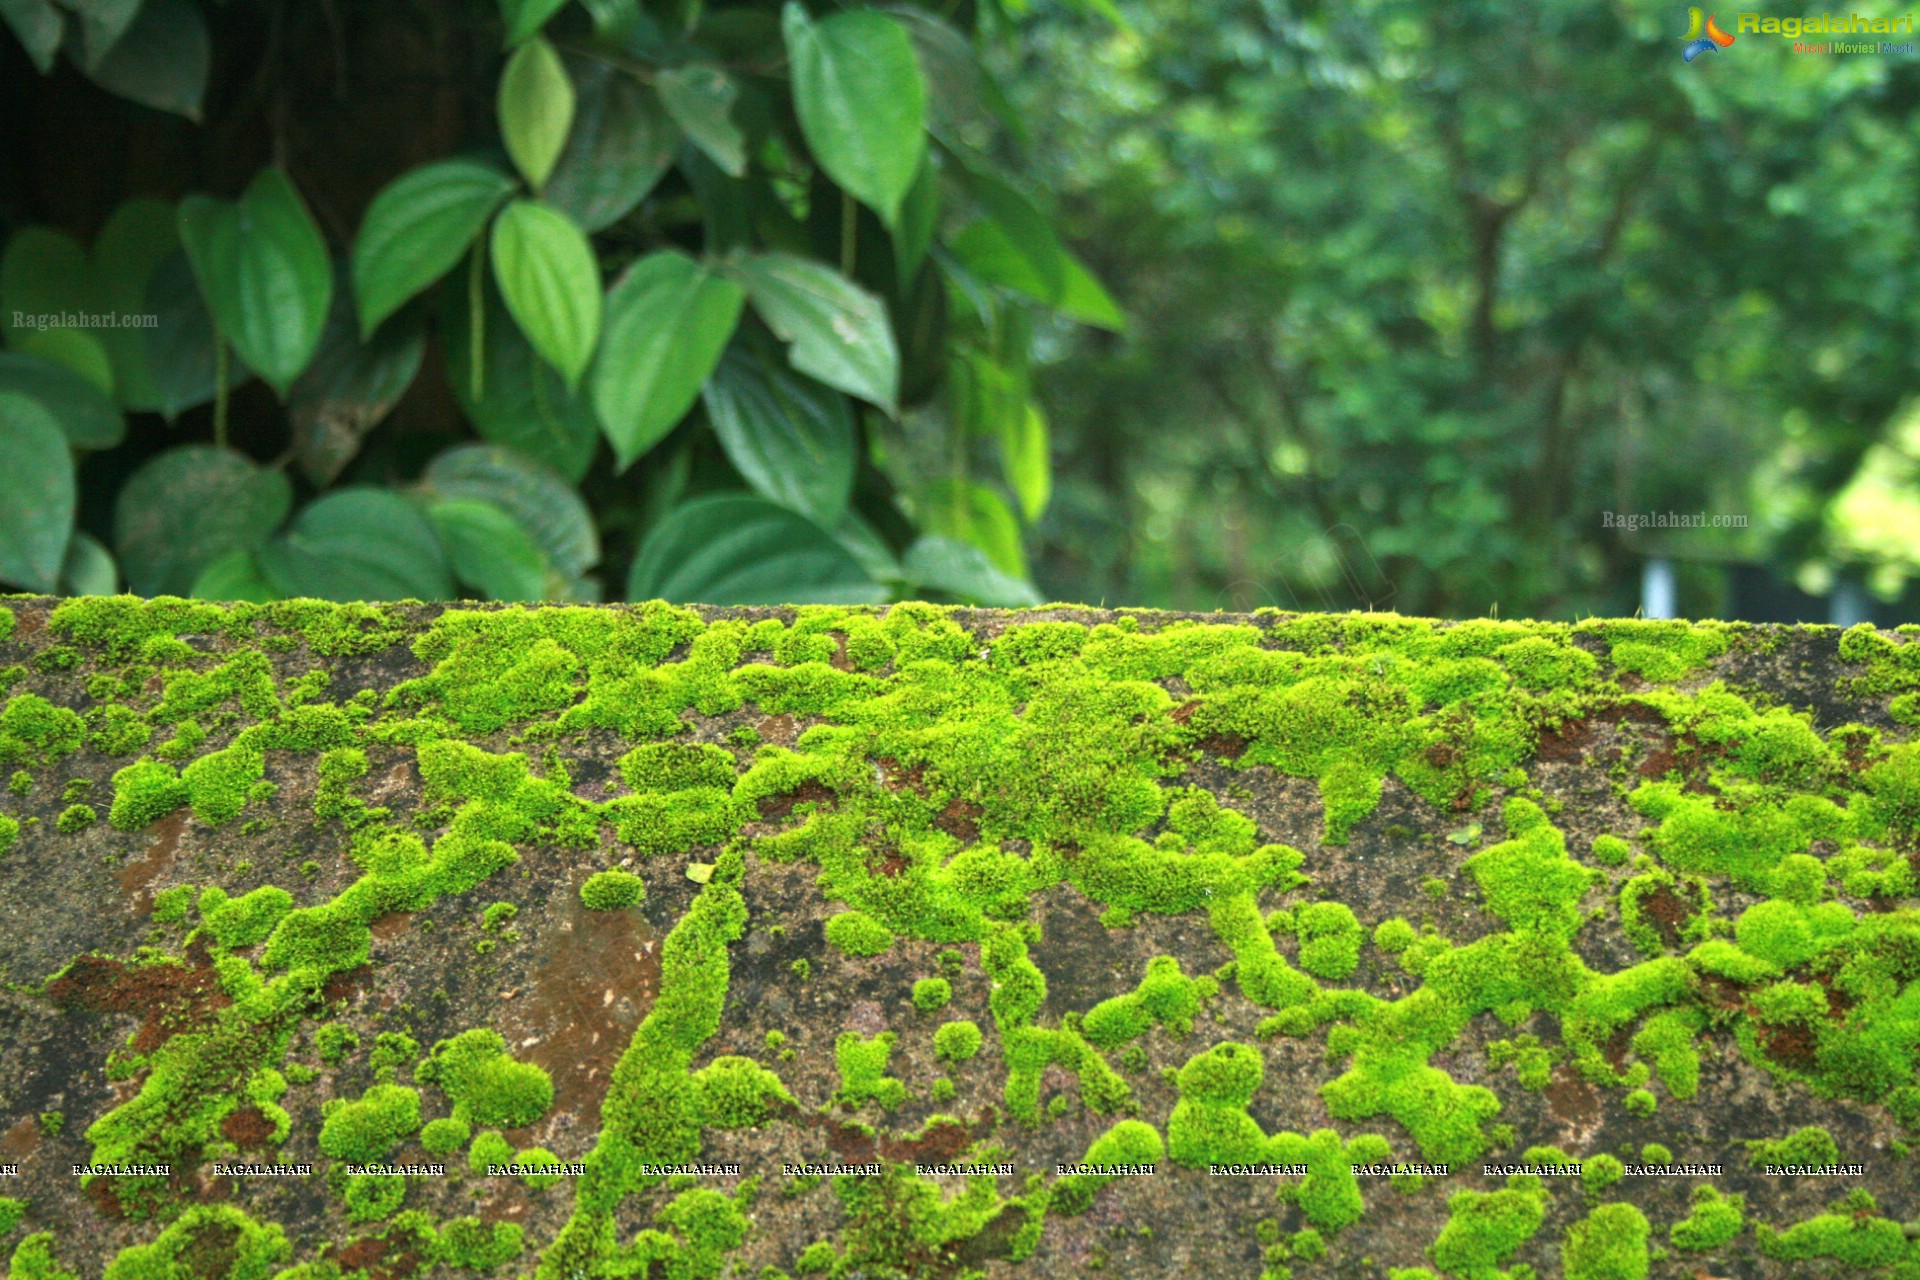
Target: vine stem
849	226
477	320
219	389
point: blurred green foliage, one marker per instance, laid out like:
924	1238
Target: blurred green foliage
1422	290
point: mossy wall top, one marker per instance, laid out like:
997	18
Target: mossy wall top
645	940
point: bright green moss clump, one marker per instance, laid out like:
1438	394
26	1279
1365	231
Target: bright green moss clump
1130	1142
76	818
613	889
1484	1228
1166	996
1609	1244
1810	1145
444	1136
1713	1222
863	1065
368	1128
34	731
737	1093
478	1246
486	1086
957	1041
858	934
930	994
144	793
255	1248
1330	939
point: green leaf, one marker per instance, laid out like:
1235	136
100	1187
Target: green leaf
525	17
963	99
75	349
39	27
536	109
700	100
189	506
546	507
139	236
868	547
102	23
668	320
613	20
961	570
417	228
37	501
234	577
89	568
1015	246
523	403
790	437
77	406
736	549
621	144
969	513
1023	455
43	273
264	271
550	282
838	331
161	61
180	348
358	544
919	219
861	101
350	387
490	550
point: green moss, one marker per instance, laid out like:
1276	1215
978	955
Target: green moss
371	1197
863	1064
1608	1244
1611	851
480	1246
76	818
12	1210
1712	1223
485	1085
1809	1145
1165	997
246	920
737	1093
251	1248
366	1129
1129	1142
930	994
1485	1228
612	890
33	1260
490	1148
1330	939
33	730
445	1135
1853	1235
957	1041
1393	936
1640	1102
858	934
1662	651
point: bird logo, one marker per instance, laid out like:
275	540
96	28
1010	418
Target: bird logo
1703	36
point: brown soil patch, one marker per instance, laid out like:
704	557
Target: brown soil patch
385	928
775	807
592	980
1791	1044
173	997
890	864
777	729
382	1258
21	1141
896	775
340	987
136	878
961	820
247	1128
212	1251
1669	912
1572	1100
1564	744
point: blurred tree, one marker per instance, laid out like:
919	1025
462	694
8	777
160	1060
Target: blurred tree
1421	291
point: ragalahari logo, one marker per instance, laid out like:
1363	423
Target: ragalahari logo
1703	36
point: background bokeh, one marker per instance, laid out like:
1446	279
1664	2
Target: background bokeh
1202	305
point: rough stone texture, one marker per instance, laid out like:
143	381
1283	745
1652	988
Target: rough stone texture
568	987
